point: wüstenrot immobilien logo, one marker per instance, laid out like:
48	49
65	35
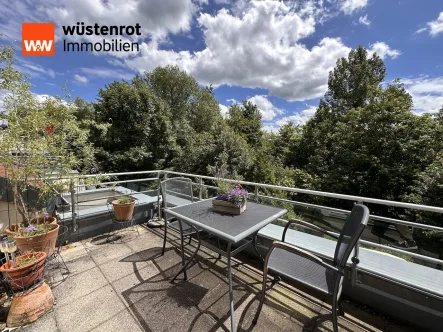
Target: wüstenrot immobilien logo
38	39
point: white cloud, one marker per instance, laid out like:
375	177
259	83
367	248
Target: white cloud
32	69
351	6
3	95
426	92
434	27
80	79
298	118
267	110
270	128
364	20
103	72
260	49
383	50
223	109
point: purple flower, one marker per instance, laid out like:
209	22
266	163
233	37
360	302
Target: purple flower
30	228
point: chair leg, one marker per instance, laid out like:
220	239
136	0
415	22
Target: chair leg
262	296
341	311
164	237
190	239
334	314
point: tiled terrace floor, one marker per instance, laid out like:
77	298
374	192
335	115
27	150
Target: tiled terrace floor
124	286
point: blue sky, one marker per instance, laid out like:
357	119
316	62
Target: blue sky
276	54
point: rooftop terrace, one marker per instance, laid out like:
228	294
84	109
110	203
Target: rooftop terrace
124	286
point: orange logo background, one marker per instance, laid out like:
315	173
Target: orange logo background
38	39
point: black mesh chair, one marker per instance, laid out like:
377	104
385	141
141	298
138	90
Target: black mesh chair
177	192
298	265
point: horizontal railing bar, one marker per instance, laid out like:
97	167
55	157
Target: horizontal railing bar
384	219
117	182
296	190
208	186
376	245
323	194
83	176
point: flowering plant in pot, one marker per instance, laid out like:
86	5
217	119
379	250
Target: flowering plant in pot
41	146
27	271
232	201
38	235
123	208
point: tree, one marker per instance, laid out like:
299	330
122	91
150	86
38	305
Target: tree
43	143
379	149
352	84
190	104
353	81
287	143
210	151
140	136
245	119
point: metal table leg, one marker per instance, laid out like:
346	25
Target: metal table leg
185	264
254	244
231	297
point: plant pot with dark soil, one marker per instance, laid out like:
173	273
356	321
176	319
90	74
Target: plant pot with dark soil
39	235
28	271
123	208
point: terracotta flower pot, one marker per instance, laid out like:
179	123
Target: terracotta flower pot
44	242
123	212
23	277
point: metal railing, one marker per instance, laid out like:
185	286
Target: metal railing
200	184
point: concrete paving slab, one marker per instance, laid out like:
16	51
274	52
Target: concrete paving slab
110	252
119	268
123	321
46	323
73	251
78	286
162	309
89	311
136	286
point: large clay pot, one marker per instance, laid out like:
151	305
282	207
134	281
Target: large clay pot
44	242
23	277
28	307
123	212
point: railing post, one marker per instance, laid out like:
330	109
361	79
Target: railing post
256	194
355	260
200	187
73	203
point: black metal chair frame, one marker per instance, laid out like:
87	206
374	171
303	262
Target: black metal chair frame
338	266
117	224
175	224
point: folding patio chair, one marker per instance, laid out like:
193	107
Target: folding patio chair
293	263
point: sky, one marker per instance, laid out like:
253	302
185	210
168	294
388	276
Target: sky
277	54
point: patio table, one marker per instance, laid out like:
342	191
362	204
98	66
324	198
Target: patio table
238	230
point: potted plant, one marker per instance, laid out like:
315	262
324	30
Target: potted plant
232	201
42	146
38	235
28	270
123	208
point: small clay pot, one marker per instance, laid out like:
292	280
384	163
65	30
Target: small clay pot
123	212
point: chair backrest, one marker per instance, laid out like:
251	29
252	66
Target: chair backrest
176	192
350	234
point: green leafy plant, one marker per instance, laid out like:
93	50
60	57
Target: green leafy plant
26	261
43	143
125	200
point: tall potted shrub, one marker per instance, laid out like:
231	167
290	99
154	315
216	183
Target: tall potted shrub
41	146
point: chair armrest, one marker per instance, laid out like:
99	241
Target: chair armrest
308	225
298	251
